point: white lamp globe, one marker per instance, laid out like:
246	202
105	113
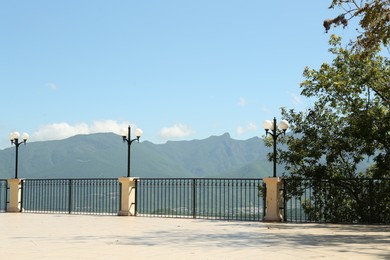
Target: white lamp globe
16	135
138	132
25	136
123	132
268	125
284	124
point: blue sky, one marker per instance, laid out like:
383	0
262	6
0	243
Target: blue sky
180	70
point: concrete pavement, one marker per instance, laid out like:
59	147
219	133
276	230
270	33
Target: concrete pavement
42	236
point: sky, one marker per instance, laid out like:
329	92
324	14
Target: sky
179	70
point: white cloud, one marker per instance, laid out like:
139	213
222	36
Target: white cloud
64	130
242	102
52	86
266	110
296	98
111	126
176	131
251	127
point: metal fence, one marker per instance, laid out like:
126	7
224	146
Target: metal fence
209	198
359	200
305	200
72	196
3	195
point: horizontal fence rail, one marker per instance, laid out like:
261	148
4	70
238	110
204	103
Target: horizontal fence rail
72	196
226	199
337	200
3	195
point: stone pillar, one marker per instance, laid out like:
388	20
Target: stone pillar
15	195
274	200
128	198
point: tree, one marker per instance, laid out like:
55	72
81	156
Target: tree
345	135
374	18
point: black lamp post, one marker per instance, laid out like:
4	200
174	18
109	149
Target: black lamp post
14	138
127	138
269	125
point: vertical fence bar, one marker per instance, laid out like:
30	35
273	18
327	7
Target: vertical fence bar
371	204
70	196
3	195
149	196
193	198
6	196
285	200
21	195
136	198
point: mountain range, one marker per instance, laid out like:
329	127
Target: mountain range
104	155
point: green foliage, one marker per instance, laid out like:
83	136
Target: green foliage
374	18
343	200
349	122
348	125
262	191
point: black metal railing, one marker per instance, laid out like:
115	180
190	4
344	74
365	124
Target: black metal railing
305	200
3	195
209	198
72	196
358	200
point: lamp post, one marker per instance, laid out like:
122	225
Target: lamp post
126	135
269	125
14	138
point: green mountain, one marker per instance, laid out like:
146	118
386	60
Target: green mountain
105	155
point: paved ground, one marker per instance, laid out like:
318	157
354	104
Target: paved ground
40	236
